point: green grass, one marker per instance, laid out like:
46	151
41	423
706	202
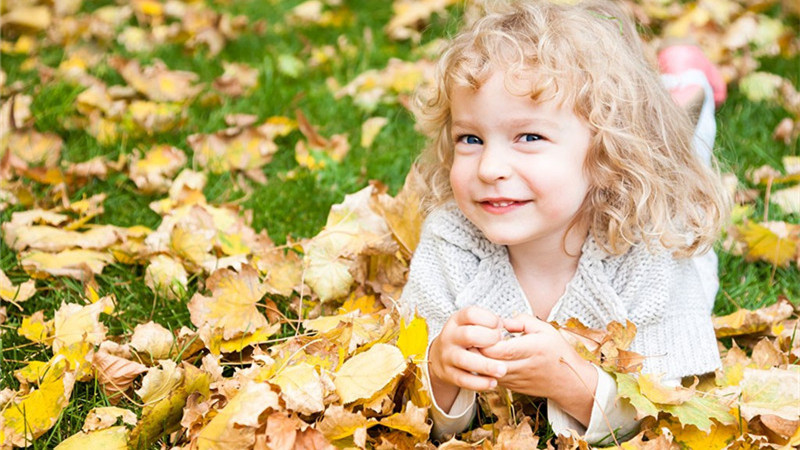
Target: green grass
297	206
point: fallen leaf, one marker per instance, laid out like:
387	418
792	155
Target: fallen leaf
414	421
370	129
106	416
153	340
232	307
772	392
114	438
339	423
158	384
16	294
301	388
80	264
153	172
157	82
114	373
235	425
774	242
365	374
167	277
745	321
74	323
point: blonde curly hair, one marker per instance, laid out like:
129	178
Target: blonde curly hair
647	185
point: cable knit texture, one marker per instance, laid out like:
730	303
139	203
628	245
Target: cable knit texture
455	266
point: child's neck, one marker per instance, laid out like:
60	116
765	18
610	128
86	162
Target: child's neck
544	272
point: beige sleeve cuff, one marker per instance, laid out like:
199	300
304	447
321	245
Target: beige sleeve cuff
460	414
608	414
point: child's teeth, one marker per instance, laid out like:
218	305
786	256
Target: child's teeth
500	204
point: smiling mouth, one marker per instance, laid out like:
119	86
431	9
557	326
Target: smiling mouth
502	203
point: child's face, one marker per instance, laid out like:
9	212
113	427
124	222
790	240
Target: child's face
518	166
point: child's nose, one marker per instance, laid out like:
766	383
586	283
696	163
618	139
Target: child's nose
494	164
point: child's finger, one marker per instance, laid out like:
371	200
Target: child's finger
508	350
467	380
475	315
475	362
524	323
476	336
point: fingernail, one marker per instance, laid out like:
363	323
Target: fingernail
492	384
500	370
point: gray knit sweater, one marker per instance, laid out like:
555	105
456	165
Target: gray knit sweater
669	299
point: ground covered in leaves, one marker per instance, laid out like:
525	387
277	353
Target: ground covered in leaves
207	220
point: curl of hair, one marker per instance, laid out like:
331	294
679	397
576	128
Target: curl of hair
647	184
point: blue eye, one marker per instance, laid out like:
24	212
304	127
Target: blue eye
470	139
530	137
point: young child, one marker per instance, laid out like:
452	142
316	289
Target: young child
565	184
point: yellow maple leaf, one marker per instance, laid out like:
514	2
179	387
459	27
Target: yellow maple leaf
153	340
745	321
413	420
339	423
232	307
772	391
216	344
106	416
413	338
153	171
37	412
166	276
367	373
235	425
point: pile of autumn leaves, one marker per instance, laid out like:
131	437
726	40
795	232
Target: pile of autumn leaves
246	375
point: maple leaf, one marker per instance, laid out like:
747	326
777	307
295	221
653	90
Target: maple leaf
237	79
745	321
232	307
366	374
235	425
411	15
413	420
158	383
788	199
35	148
413	339
313	152
16	293
245	149
36	329
74	323
51	239
31	415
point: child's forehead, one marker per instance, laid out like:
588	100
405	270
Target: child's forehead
529	81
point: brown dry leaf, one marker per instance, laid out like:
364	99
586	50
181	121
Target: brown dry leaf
237	79
79	264
402	213
745	321
314	152
153	340
114	373
232	307
283	271
235	425
104	417
521	436
774	242
153	172
399	78
157	82
367	373
413	420
16	293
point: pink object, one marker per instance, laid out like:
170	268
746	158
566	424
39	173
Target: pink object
680	58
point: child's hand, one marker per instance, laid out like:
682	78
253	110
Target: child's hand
454	360
542	363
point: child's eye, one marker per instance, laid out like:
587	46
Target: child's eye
530	137
469	139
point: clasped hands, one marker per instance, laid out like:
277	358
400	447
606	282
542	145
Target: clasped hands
474	351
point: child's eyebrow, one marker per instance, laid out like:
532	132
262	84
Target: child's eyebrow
533	121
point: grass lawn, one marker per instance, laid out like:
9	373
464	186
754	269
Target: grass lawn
294	202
